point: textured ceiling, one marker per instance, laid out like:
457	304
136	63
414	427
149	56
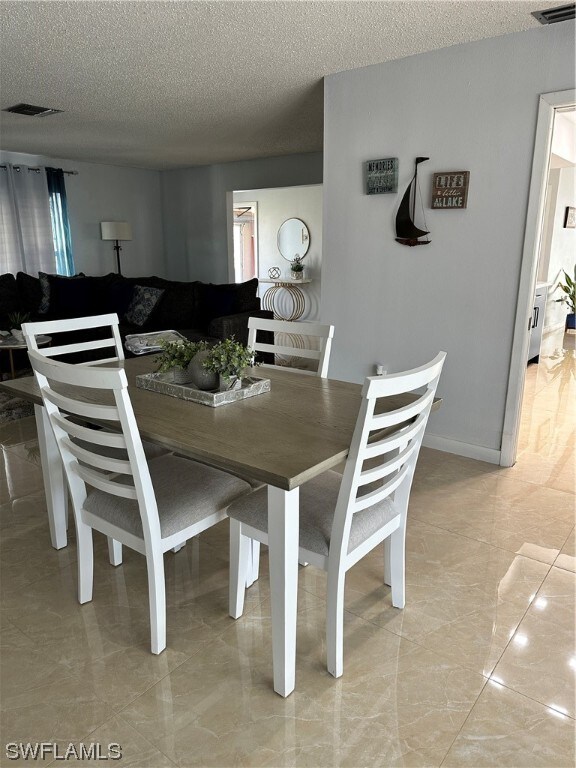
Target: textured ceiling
172	84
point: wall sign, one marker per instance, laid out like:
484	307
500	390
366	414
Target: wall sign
450	190
381	176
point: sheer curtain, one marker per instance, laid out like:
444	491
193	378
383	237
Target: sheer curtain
26	239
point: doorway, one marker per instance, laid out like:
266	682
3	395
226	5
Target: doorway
245	241
551	105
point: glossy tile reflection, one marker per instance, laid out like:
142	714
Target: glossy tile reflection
478	670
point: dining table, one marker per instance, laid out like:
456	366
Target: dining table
283	438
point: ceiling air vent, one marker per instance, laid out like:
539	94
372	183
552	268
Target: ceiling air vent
31	110
553	15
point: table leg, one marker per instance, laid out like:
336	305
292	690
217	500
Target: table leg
283	524
12	369
54	483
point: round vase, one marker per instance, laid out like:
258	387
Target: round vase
229	385
200	377
570	322
181	376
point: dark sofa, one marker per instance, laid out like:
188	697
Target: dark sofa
143	304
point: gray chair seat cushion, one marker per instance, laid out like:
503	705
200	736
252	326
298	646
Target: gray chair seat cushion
186	492
317	504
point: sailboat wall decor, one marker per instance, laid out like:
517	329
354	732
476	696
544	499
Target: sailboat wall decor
407	232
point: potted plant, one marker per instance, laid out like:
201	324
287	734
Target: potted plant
297	268
228	359
569	288
16	319
176	357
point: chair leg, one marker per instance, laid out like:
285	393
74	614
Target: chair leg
254	563
397	566
114	552
54	483
241	566
335	622
387	569
157	599
85	562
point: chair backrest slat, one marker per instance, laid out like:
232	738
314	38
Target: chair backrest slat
397	416
81	408
102	483
369	499
98	460
378	467
279	349
84	346
298	332
372	474
397	439
89	434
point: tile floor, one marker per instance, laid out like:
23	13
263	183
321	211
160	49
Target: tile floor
478	670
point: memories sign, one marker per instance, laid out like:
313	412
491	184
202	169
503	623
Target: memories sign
381	176
450	190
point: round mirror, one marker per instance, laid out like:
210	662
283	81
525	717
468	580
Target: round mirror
293	239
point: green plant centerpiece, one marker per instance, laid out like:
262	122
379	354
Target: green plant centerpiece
17	318
228	359
297	268
176	357
569	289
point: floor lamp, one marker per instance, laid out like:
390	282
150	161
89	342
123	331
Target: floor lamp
117	231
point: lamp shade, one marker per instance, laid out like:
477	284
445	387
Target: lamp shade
115	230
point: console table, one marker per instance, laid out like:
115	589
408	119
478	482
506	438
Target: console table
270	299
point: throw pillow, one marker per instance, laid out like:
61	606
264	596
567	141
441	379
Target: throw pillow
178	308
118	298
45	300
9	299
227	298
143	302
71	297
47	305
30	292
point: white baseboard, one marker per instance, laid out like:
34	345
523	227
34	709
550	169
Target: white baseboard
491	455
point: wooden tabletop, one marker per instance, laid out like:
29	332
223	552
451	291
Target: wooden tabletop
284	437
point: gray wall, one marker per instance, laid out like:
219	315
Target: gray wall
469	107
195	209
109	193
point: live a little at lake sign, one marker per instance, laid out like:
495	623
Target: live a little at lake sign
450	190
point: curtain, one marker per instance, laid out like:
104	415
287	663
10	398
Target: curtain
26	243
60	223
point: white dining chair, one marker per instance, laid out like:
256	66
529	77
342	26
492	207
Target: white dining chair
343	517
150	506
288	330
104	347
299	333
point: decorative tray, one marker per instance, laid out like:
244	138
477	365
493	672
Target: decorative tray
161	382
146	343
